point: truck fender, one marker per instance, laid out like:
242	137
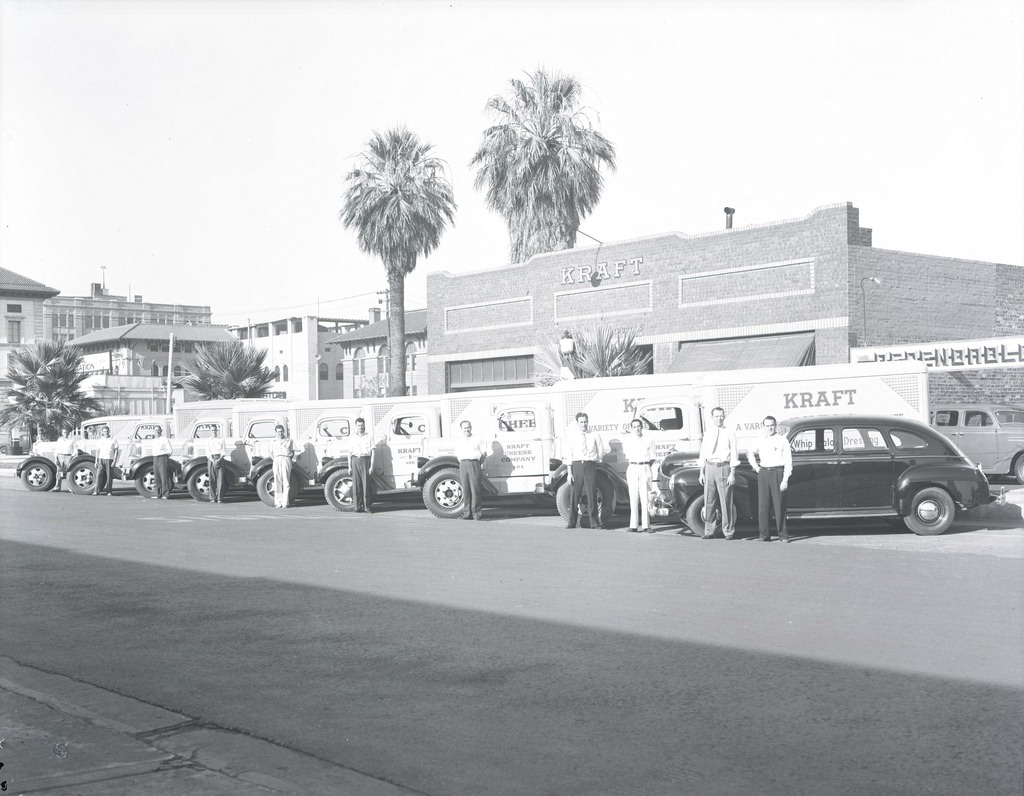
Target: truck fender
136	466
433	465
34	461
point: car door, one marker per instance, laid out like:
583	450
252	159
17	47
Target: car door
521	451
407	429
979	439
814	484
866	469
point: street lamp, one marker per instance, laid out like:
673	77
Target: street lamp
864	302
566	346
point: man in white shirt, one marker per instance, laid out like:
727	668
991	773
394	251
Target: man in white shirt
64	450
162	465
106	453
583	450
215	453
360	465
772	460
718	460
471	451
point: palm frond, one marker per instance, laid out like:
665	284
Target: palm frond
600	350
229	370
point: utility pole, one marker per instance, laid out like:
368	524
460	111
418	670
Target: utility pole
386	383
170	373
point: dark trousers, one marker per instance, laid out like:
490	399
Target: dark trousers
361	497
105	476
769	497
215	471
162	474
471	476
584	482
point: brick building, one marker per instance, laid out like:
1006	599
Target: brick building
792	292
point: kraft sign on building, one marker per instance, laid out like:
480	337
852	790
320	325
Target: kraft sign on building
999	352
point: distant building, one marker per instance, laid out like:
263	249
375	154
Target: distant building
70	317
363	357
22	301
130	365
299	350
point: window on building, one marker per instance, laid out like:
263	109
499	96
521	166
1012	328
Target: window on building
359	362
13	332
277	373
243	334
177	371
339	372
410	356
488	374
14	308
156	369
263	330
296	324
382	359
284	373
322	371
164	371
280	327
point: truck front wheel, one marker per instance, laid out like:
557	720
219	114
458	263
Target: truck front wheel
145	481
265	487
199	485
443	494
338	491
604	495
82	478
38	478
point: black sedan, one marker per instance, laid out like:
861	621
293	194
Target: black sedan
852	467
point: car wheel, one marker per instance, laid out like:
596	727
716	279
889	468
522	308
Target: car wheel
604	494
1018	469
81	478
199	485
443	494
694	518
38	478
145	481
3	450
338	491
932	512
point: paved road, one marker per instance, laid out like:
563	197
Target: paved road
516	657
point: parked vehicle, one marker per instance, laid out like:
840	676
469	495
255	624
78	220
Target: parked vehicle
991	434
858	466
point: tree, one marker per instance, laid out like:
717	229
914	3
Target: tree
399	203
229	370
540	163
47	395
601	350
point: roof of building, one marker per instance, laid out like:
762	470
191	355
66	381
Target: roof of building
155	331
11	282
415	323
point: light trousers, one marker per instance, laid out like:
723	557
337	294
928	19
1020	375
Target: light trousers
638	479
282	480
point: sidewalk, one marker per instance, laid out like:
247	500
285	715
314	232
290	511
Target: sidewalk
61	736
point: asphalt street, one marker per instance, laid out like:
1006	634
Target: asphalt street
513	656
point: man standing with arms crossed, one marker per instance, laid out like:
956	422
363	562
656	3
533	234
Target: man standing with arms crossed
719	458
215	452
360	465
772	460
584	449
470	450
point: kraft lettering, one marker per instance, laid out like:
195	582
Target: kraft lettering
567	276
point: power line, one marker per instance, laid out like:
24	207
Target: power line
294	306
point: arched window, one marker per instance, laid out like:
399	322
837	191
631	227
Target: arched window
156	369
321	370
339	372
165	370
410	356
382	359
359	362
277	373
177	371
284	373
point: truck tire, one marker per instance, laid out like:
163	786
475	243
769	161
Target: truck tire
694	518
265	488
38	477
199	485
145	481
932	512
605	494
1018	469
81	478
338	491
443	494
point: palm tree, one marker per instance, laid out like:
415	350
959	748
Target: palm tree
47	395
540	163
601	350
399	203
229	370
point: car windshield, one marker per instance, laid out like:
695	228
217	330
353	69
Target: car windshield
1011	416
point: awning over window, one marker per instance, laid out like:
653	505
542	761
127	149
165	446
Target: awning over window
780	351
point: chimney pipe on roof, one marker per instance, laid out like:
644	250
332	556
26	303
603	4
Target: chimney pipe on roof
728	217
374	314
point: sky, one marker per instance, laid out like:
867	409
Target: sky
195	152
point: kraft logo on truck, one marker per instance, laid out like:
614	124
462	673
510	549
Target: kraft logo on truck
804	400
